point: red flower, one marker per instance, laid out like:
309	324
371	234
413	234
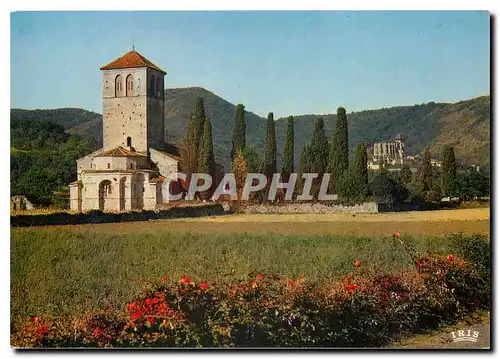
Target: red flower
254	285
260	276
186	280
41	330
386	284
396	235
357	264
148	302
132	306
409	245
155	300
34	319
352	287
151	320
203	285
451	257
96	332
164	278
136	315
291	283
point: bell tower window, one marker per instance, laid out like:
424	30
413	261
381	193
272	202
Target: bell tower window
130	85
129	141
158	88
152	86
119	86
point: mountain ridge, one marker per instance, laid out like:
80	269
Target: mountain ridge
464	124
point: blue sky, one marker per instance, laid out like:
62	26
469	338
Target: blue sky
285	62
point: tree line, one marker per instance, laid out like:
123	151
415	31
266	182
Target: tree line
350	180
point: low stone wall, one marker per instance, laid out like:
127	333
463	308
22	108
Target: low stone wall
367	207
95	216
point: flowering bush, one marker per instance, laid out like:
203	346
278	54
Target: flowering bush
365	309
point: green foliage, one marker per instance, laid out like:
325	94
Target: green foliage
239	131
472	184
385	189
360	170
426	172
197	121
318	149
254	162
449	174
189	152
270	148
406	175
206	154
288	152
305	165
44	160
338	160
350	189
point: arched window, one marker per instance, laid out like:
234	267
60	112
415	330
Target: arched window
129	141
130	85
152	85
109	166
118	86
158	87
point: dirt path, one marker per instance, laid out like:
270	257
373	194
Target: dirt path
443	338
432	223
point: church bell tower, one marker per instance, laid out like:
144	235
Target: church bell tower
133	103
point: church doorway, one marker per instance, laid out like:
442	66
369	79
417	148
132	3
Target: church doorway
104	193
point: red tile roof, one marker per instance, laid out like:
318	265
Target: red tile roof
131	59
120	152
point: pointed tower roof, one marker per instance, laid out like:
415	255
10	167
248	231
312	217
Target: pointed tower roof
131	59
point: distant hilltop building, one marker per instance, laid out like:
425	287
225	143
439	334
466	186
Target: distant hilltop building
388	151
392	155
128	172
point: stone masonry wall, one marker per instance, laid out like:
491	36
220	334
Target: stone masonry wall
367	207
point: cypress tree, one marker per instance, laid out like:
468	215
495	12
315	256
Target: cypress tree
361	166
198	120
426	172
270	147
239	130
319	148
449	177
288	151
305	160
339	151
206	162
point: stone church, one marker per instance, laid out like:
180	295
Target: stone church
129	171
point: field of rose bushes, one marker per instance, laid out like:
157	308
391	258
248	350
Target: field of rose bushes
256	291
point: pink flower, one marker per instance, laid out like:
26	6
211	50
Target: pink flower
164	278
260	276
203	285
254	284
396	235
357	264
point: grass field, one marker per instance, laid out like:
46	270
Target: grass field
62	270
